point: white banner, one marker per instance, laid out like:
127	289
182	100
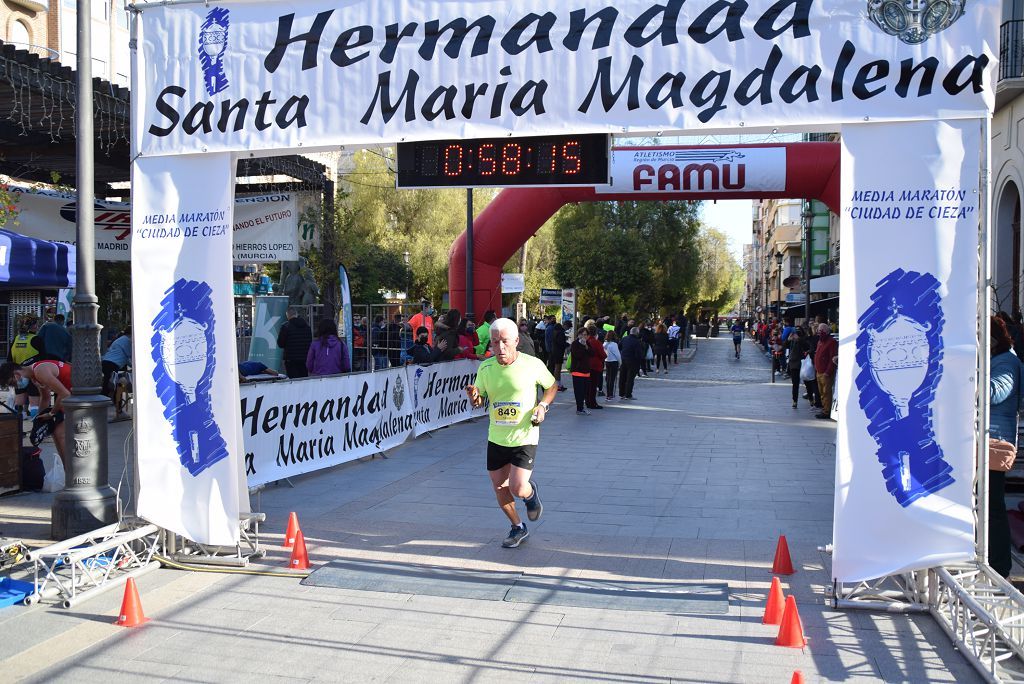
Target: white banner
265	227
249	76
512	283
439	394
298	426
696	170
907	355
186	370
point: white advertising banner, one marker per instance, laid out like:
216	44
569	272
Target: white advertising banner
907	355
249	76
439	394
265	227
298	426
697	170
186	369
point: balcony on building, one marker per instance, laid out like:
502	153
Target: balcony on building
1011	62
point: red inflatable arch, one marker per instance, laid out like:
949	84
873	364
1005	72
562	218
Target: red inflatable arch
812	172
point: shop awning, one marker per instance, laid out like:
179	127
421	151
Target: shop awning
29	263
820	306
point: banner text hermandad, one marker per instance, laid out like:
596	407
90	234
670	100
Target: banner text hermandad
299	426
475	70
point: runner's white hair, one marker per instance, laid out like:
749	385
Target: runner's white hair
499	324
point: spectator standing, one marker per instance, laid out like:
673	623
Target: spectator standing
632	352
579	369
424	318
447	329
421	352
484	332
327	354
684	331
21	352
468	351
556	351
622	327
673	340
53	341
597	357
526	344
379	343
825	368
294	339
611	363
661	347
394	334
798	349
1005	387
21	349
117	357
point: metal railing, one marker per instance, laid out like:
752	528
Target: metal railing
1011	49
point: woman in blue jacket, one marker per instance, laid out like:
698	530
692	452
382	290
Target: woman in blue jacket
1004	386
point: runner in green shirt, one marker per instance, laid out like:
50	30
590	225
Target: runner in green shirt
509	381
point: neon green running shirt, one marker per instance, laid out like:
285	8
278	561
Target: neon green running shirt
512	392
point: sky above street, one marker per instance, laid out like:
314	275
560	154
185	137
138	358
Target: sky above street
732	217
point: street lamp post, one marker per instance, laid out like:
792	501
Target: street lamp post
408	275
88	501
808	218
778	281
767	271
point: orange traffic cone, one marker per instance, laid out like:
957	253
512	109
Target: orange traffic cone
299	559
776	604
798	677
131	607
791	632
292	529
783	564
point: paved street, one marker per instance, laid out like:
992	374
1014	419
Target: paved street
694	481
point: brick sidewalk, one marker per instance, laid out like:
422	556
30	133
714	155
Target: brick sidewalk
693	481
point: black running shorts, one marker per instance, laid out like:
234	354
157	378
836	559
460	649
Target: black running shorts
499	456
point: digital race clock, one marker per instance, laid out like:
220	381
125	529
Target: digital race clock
541	160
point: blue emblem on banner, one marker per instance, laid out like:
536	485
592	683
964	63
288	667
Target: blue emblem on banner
899	352
184	351
213	43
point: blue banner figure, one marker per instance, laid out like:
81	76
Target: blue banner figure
184	350
899	353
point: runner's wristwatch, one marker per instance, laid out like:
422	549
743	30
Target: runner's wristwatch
545	405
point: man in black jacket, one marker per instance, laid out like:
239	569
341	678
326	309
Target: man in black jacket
632	350
294	339
556	354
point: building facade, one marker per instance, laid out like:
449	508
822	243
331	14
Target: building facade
1008	161
49	28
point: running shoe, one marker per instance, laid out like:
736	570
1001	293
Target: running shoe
534	507
515	537
584	412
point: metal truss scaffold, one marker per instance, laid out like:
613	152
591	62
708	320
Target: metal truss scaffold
981	612
90	564
248	549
